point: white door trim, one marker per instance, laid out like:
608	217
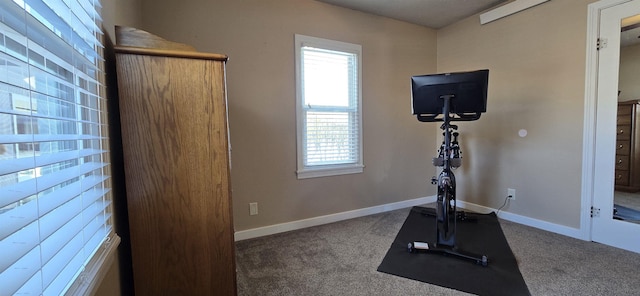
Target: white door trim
589	130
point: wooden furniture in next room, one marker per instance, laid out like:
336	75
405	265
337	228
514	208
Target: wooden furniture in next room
173	113
627	175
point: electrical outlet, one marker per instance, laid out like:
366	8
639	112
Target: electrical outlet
253	208
511	193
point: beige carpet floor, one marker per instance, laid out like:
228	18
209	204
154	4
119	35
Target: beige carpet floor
341	259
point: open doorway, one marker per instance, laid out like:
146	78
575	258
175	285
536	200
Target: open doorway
603	138
627	175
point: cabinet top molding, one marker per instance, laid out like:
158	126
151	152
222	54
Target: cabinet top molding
135	41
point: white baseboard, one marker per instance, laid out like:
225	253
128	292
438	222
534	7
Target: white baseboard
524	220
300	224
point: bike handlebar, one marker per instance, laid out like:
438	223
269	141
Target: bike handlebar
461	117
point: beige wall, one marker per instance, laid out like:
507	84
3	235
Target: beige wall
111	285
258	37
536	82
629	81
537	63
128	13
120	12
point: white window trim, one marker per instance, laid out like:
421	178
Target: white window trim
91	277
304	172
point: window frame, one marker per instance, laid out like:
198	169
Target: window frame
312	171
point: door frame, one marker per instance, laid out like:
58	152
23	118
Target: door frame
590	120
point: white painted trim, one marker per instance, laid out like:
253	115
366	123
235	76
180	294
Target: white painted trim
303	171
333	170
90	279
300	224
524	220
508	9
588	137
590	103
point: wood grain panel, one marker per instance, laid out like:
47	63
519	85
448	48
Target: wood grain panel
622	162
627	176
623	132
624	109
127	36
623	147
621	178
174	129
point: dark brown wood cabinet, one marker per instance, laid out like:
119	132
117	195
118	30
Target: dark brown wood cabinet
173	113
627	174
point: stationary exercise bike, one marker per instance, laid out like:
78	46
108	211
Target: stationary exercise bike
446	98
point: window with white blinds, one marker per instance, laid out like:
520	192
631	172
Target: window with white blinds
328	107
55	202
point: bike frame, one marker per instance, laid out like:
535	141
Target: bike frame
446	203
446	211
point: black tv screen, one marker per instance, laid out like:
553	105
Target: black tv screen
468	91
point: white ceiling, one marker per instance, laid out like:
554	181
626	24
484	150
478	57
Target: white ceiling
429	13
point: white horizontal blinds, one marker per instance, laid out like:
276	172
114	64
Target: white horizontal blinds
330	106
54	174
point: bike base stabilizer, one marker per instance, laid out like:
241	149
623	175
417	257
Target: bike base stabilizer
423	247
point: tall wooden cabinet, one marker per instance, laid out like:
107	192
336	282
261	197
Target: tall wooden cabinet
627	175
176	158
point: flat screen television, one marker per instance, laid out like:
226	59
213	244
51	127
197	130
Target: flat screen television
467	92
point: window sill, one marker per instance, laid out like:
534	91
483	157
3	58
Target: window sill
326	171
89	280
